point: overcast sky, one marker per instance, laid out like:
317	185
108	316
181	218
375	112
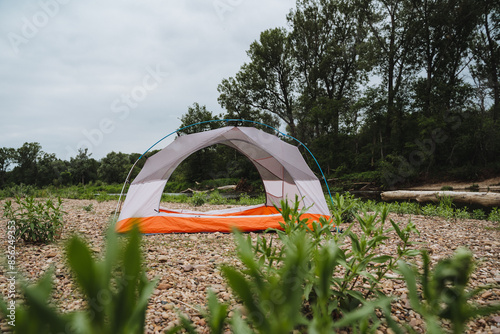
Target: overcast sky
118	75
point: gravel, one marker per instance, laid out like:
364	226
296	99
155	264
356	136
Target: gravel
187	265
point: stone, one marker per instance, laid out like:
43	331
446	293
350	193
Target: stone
187	267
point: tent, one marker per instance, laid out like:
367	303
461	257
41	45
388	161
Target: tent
281	166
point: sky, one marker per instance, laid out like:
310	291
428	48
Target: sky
118	75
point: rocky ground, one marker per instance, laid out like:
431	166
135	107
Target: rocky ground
186	265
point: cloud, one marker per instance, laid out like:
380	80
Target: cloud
76	72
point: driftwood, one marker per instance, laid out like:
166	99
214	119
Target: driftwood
478	198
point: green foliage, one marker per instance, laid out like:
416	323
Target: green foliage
446	188
36	222
198	198
494	215
444	292
183	198
302	278
115	289
88	208
344	207
18	190
309	282
216	198
478	214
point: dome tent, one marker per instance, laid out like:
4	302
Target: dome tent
281	166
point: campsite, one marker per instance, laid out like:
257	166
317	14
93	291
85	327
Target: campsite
271	167
187	265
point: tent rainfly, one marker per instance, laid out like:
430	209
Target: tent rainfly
281	166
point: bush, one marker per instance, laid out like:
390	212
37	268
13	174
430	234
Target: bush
216	198
198	198
444	292
115	289
88	208
494	215
478	214
309	283
36	222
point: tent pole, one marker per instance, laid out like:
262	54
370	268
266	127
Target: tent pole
119	204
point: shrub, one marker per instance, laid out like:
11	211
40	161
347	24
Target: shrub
310	283
307	281
216	198
198	198
494	215
478	214
88	208
115	289
443	293
36	222
446	188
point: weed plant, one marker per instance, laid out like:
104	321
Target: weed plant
36	221
198	198
115	288
306	278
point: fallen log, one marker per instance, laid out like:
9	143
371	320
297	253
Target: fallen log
463	197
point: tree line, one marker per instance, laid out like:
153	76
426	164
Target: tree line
404	88
393	90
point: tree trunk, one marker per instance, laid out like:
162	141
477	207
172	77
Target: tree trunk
479	198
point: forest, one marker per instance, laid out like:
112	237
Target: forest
392	92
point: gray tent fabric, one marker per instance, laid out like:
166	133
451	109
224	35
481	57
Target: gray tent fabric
283	170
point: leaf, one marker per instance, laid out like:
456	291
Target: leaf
381	259
217	314
243	290
238	325
359	314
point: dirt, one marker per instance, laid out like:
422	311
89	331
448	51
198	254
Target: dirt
187	265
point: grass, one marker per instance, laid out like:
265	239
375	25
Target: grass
106	192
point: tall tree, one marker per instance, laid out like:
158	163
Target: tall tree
83	168
329	39
486	50
391	23
445	30
7	158
50	169
114	167
266	83
27	157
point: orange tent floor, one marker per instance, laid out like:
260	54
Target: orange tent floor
246	220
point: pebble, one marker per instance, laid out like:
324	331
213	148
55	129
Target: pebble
187	268
168	256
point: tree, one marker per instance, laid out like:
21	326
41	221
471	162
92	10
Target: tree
198	119
266	83
444	33
83	168
50	169
26	158
392	26
486	51
7	158
114	167
330	46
